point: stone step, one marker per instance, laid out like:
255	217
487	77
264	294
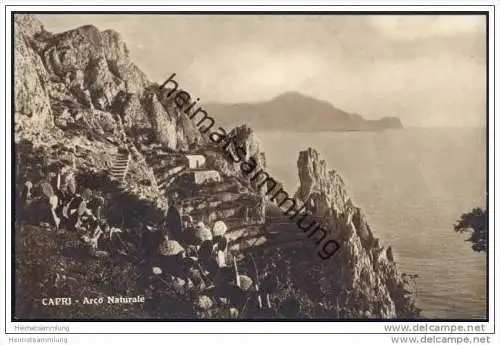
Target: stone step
215	199
237	223
169	174
234	235
224	186
165	181
239	246
215	207
119	169
265	245
162	170
209	216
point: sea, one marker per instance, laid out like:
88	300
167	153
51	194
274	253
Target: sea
413	185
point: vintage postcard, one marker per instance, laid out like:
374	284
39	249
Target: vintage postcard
250	166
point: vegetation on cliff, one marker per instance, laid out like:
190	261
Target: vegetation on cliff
475	222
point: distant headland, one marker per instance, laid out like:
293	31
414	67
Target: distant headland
293	111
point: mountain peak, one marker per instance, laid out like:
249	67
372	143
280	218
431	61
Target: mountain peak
284	111
292	95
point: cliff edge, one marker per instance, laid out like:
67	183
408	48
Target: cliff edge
363	267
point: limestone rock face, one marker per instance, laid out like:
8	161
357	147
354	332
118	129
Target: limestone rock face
188	134
28	24
70	79
324	188
32	105
132	111
238	137
78	57
164	125
244	137
116	53
364	271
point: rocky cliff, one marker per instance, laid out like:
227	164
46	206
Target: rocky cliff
83	79
77	94
364	268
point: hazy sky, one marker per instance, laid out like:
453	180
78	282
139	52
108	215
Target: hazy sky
428	70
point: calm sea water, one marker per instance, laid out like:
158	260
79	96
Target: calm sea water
413	184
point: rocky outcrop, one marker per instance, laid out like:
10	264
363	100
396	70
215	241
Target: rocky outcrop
100	57
31	102
28	25
164	124
117	57
188	135
364	269
243	137
324	188
131	110
70	79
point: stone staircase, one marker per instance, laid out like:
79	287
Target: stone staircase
120	167
165	166
229	200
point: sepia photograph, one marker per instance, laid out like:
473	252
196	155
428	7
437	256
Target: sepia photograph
225	166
